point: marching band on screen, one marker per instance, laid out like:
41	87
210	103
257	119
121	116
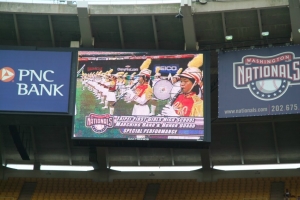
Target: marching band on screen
182	90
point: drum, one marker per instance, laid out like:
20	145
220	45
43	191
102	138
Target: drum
162	89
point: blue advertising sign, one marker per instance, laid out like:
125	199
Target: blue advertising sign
167	68
259	82
34	81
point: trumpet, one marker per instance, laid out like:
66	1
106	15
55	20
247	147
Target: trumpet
123	94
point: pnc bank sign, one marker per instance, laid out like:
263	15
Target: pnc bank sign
37	81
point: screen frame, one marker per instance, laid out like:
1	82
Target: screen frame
118	142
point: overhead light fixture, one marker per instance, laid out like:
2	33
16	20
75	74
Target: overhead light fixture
201	1
155	168
229	37
299	30
265	33
20	166
256	167
66	168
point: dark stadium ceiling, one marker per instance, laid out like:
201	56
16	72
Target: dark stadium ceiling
257	140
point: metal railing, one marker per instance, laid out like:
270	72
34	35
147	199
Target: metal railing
95	2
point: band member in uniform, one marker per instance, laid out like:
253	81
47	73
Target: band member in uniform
105	87
111	95
101	83
98	86
121	84
188	103
128	86
175	80
153	101
131	81
143	91
84	80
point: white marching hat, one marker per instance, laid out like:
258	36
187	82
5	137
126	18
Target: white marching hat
193	70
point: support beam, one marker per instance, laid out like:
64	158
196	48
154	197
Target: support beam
188	26
93	158
35	153
2	149
138	156
205	159
14	132
224	25
294	6
84	24
121	32
17	29
275	142
107	158
33	143
51	30
240	143
101	158
172	156
2	154
155	32
68	145
259	23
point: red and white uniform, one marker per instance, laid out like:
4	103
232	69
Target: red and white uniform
105	86
111	94
188	105
175	89
141	96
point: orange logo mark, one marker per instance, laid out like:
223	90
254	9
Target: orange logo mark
7	74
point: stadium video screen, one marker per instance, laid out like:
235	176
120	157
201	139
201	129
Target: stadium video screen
140	96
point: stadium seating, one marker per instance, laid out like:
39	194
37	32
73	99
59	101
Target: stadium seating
10	189
175	189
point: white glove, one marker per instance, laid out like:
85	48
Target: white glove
169	111
130	94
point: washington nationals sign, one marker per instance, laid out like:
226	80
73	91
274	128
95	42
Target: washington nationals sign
264	82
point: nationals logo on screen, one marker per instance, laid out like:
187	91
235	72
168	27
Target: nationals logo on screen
267	77
99	123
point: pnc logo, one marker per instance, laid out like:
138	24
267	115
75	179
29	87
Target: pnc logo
7	74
